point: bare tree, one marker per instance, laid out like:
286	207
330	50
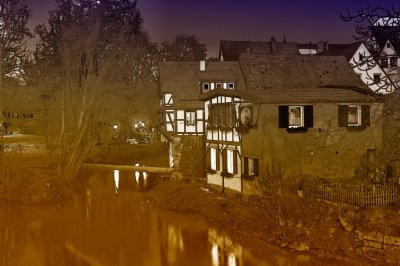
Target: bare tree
374	27
183	48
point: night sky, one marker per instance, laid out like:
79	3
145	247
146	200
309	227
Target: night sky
258	20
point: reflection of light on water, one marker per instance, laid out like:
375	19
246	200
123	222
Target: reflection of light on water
214	255
224	251
116	180
232	260
137	176
175	243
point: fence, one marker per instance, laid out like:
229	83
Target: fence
358	195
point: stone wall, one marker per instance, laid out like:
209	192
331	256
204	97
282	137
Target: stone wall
326	150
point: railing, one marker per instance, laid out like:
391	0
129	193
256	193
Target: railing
358	195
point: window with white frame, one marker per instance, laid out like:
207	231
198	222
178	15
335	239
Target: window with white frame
354	115
190	118
230	161
167	99
296	116
205	87
213	159
231	86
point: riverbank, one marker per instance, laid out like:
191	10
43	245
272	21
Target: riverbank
324	230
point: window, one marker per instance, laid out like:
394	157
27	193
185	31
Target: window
231	86
167	99
388	45
393	62
250	167
222	116
229	161
384	62
296	117
377	78
354	116
360	56
190	118
213	159
218	85
205	87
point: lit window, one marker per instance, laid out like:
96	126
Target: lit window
213	159
190	118
354	115
296	116
167	99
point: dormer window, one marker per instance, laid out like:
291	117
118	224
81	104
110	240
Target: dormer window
205	87
218	85
231	86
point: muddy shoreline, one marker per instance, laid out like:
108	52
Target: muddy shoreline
304	225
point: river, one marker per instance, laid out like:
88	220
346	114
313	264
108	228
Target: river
113	225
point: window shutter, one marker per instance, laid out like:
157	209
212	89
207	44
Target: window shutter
283	116
208	159
235	168
245	166
365	115
210	115
342	115
218	155
255	161
308	116
224	161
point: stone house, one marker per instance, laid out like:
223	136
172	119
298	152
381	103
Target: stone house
300	114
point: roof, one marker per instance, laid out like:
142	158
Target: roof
231	50
384	33
347	50
183	78
284	78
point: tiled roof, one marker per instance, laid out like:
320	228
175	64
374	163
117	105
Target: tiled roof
231	50
183	80
384	33
283	78
347	50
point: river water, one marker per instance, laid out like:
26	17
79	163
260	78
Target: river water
113	225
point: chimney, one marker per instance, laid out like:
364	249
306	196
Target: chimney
248	50
272	44
202	65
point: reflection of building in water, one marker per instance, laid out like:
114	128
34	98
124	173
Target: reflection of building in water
224	252
116	180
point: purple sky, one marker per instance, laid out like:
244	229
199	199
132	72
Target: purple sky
259	20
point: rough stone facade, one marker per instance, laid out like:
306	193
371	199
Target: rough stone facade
325	150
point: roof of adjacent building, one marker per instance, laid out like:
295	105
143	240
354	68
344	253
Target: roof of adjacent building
384	33
347	50
183	79
284	78
231	50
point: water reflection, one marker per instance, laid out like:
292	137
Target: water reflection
224	252
100	229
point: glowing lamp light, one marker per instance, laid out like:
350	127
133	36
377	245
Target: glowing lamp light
115	126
